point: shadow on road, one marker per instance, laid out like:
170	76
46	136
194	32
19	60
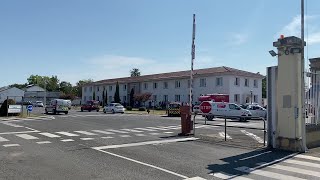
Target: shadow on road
253	159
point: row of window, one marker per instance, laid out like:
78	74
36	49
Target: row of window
203	83
247	100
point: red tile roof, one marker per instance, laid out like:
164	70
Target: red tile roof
181	74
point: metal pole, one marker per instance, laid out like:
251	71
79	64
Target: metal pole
264	132
225	129
7	106
304	144
192	59
45	93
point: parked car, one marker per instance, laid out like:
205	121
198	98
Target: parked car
38	104
256	110
57	106
91	106
228	110
114	108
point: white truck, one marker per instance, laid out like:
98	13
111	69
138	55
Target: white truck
57	106
228	110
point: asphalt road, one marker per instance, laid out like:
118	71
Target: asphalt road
83	145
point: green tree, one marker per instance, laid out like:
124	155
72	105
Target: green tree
106	98
135	72
77	90
94	95
116	94
264	88
66	87
132	97
19	86
50	84
103	97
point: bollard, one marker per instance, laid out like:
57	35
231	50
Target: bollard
225	129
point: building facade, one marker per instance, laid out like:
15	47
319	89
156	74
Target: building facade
11	93
242	86
35	93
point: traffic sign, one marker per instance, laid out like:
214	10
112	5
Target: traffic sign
29	108
205	107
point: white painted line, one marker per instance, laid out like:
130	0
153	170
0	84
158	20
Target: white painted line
86	133
140	135
67	134
308	157
12	125
250	157
162	129
44	142
102	132
253	136
50	135
125	136
145	143
222	134
3	139
107	137
32	129
296	170
267	173
228	176
26	136
142	163
302	163
144	129
132	130
21	132
117	131
11	145
195	178
87	139
168	132
154	134
67	140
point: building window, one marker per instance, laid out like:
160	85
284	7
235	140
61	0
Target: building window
110	88
219	81
255	83
255	98
85	98
177	98
124	87
237	98
124	99
98	88
85	89
237	82
177	84
165	85
110	99
155	98
155	85
165	98
90	89
203	82
246	82
145	85
189	84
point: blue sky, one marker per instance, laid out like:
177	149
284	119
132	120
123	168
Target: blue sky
80	39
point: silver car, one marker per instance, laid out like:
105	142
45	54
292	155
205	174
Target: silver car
114	108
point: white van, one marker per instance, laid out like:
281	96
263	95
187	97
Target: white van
57	106
228	110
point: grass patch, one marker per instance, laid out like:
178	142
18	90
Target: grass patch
155	112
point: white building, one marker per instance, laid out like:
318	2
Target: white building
11	93
174	86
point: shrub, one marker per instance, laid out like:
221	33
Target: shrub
3	108
129	108
142	108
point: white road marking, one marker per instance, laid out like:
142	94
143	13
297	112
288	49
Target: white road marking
146	143
228	176
102	132
125	136
253	136
67	134
44	142
87	139
296	170
26	136
86	133
267	173
223	135
144	129
21	132
12	125
67	140
195	178
50	135
142	163
107	137
154	134
302	163
308	157
3	139
117	131
140	135
11	145
168	132
132	130
250	157
162	129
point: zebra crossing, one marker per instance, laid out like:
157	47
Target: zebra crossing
67	136
298	167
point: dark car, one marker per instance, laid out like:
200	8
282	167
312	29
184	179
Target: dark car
91	106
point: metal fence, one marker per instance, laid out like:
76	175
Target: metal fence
312	97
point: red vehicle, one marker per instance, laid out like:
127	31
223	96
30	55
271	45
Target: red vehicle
215	98
91	106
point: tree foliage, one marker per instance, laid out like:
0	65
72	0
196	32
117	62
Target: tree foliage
132	97
117	94
135	72
143	97
3	108
106	98
264	88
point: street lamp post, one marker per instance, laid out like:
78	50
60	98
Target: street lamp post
251	96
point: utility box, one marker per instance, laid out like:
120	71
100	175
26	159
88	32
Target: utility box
186	123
